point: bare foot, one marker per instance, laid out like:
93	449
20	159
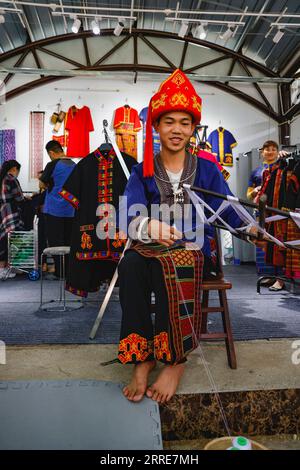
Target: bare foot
136	389
166	384
278	285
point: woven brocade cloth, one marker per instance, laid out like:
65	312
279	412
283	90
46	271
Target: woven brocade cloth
182	278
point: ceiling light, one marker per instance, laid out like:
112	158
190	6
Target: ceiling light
228	34
278	36
183	30
95	27
119	28
200	32
76	25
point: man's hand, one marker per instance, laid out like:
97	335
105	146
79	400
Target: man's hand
162	233
283	153
254	231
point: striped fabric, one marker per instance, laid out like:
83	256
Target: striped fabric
182	271
36	143
7	145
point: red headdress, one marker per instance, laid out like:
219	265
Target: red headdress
176	93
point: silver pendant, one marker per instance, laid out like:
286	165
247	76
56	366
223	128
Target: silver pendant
178	196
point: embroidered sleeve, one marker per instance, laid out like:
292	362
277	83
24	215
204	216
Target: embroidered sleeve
72	188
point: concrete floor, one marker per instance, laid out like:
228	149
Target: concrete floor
262	364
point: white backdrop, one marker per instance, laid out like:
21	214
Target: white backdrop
249	126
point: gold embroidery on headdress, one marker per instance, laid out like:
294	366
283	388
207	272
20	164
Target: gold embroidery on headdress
160	102
179	99
196	103
178	79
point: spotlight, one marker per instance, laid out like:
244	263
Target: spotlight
200	32
228	34
119	28
278	36
76	25
95	27
183	30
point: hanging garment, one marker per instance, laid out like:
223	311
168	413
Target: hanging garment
272	186
292	202
96	180
126	125
79	124
36	143
221	143
7	145
156	140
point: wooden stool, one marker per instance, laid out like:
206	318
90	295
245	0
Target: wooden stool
220	285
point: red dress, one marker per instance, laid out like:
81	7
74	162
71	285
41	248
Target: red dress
79	124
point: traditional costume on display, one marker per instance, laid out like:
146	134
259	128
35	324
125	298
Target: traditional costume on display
221	143
175	274
281	184
156	140
7	145
96	180
79	124
126	125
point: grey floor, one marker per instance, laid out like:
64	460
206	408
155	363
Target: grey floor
253	316
73	415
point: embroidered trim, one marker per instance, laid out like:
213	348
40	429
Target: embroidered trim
70	198
161	347
134	348
80	292
86	241
86	228
97	255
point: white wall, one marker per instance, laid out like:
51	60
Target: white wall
295	131
249	126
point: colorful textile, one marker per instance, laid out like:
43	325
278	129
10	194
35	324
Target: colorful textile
126	125
256	175
176	93
11	197
79	124
209	156
96	182
7	145
221	143
36	143
156	140
182	272
292	202
292	264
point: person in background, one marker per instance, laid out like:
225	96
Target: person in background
58	212
11	199
269	154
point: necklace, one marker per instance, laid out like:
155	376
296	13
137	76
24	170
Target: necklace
179	192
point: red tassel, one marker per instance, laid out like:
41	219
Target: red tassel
148	165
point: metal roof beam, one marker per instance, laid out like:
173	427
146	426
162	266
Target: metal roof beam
166	11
